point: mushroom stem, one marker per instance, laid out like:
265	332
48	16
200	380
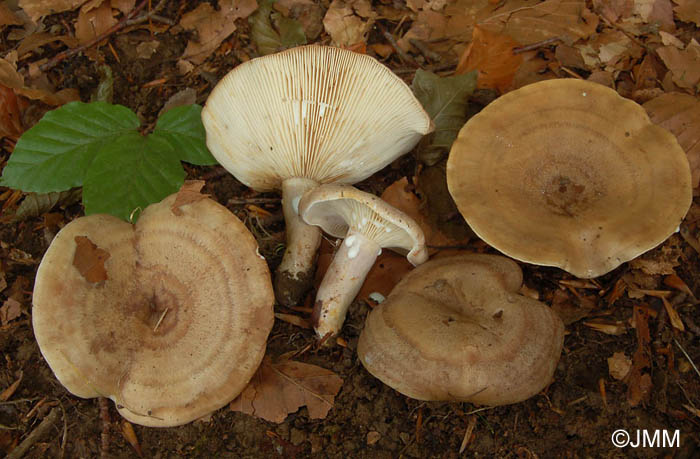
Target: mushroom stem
295	272
342	282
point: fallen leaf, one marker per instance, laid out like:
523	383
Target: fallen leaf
213	27
190	192
9	391
676	282
38	8
619	365
272	32
278	389
609	327
10	310
680	114
306	12
90	260
688	10
187	96
130	436
345	27
638	380
94	22
294	320
8	17
35	204
387	271
10	117
491	54
529	21
445	99
684	64
125	6
146	49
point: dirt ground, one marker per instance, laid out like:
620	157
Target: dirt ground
575	416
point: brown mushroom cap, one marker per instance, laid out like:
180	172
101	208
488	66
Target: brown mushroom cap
567	173
455	329
179	326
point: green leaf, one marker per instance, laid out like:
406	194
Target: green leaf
445	99
55	154
129	174
182	128
266	38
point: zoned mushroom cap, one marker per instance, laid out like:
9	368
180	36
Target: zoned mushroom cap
455	329
567	173
179	326
319	112
338	208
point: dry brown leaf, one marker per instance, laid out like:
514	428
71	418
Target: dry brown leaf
676	282
130	436
8	17
125	6
612	10
90	260
36	40
9	391
38	8
492	55
278	389
10	114
345	24
688	10
609	327
294	320
684	64
93	22
680	114
10	310
462	15
530	21
429	26
387	271
190	192
212	27
638	380
619	365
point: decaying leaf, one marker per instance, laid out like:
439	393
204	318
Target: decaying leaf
445	99
344	21
10	119
308	13
90	260
278	389
639	381
688	10
680	114
38	8
684	64
272	32
619	365
93	22
491	54
189	193
8	17
387	271
212	27
10	310
35	204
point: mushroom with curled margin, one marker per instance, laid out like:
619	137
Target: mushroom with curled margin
303	117
367	225
456	329
176	323
568	173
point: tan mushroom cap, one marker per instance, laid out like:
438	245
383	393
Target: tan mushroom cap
180	325
339	208
318	112
455	329
567	173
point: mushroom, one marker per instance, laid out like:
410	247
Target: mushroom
567	173
455	329
306	116
367	225
168	317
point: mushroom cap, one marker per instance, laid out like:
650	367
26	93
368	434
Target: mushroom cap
338	208
567	173
455	329
319	112
179	326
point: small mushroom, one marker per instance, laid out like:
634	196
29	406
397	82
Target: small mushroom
175	322
306	116
367	225
567	173
455	329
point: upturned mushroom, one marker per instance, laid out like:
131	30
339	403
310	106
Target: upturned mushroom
310	115
455	329
567	173
367	225
168	317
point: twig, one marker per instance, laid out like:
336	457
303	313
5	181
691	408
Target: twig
151	15
240	202
533	46
402	54
424	50
106	422
36	434
116	27
687	356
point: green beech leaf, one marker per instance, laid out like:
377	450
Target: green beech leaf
182	128
55	154
445	99
129	174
